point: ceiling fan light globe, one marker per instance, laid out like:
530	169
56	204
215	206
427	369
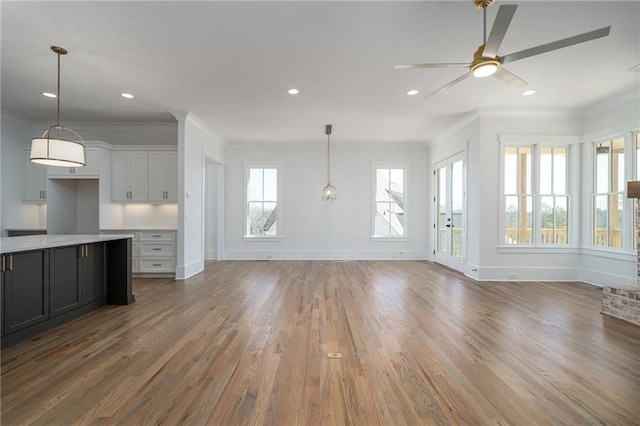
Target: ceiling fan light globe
484	70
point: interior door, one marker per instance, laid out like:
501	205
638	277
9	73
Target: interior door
450	209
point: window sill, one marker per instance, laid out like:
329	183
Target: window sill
270	238
392	239
539	249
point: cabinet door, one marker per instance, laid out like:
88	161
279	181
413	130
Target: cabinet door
91	169
25	290
139	176
172	177
120	176
92	273
157	176
35	181
64	279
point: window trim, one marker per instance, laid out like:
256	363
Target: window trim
248	165
375	165
535	142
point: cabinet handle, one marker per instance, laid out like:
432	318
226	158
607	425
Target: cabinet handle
11	262
44	195
157	236
157	264
156	249
3	263
86	250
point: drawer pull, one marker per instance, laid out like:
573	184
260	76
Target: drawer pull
156	249
157	236
157	264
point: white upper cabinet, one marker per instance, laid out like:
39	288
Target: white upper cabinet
90	170
34	188
129	176
163	176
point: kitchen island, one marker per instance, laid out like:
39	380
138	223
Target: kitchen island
47	280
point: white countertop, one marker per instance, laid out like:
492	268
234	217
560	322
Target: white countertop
36	242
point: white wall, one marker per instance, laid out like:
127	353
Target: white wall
618	117
480	133
315	229
196	144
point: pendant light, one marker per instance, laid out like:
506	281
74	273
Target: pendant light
329	191
51	149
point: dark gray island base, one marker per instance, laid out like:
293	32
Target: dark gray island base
49	280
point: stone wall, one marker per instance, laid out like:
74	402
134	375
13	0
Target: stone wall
622	302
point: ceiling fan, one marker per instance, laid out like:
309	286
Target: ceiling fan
486	61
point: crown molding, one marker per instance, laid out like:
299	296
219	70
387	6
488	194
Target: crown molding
632	94
306	145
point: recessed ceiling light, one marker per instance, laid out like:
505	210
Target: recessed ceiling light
49	95
126	95
528	92
412	92
293	91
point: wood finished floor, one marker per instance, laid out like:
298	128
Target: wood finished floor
246	343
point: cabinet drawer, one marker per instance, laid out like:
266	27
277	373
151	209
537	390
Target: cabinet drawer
157	236
165	249
157	265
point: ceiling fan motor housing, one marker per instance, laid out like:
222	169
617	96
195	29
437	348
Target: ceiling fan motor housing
481	4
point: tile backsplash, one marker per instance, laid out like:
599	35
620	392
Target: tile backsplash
137	216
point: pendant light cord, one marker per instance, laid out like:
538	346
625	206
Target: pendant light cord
58	93
328	160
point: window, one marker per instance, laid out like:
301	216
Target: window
389	218
262	196
536	195
608	197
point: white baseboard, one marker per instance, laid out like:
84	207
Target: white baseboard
326	255
187	271
210	255
602	279
520	273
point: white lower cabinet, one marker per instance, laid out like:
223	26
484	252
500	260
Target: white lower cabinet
153	251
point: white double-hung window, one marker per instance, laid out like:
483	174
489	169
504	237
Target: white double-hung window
536	198
263	210
389	212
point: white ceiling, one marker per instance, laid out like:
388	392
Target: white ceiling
231	63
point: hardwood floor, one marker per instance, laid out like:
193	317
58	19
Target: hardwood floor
246	343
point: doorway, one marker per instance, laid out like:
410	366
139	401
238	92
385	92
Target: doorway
450	212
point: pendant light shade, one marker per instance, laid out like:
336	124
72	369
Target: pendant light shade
329	191
52	148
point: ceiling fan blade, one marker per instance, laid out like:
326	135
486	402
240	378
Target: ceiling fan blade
499	29
559	44
445	65
509	78
456	81
635	68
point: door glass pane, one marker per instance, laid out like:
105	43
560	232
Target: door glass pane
457	199
442	208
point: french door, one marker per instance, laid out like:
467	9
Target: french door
450	210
